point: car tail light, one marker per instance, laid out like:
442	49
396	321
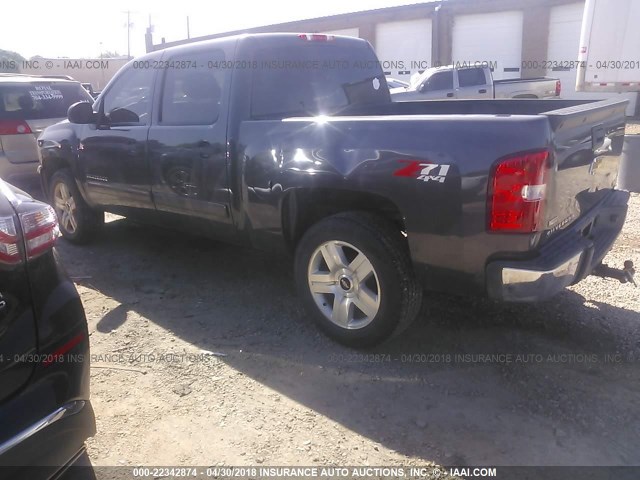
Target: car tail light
517	193
14	127
558	87
9	250
316	37
40	231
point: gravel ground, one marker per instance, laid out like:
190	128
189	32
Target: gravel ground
555	383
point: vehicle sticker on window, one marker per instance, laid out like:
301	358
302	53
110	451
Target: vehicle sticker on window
425	171
376	84
45	92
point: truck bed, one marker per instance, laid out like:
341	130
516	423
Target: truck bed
479	107
584	140
524	80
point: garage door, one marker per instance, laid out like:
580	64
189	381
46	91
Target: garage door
495	38
564	39
347	32
404	47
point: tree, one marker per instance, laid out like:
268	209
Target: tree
109	54
10	62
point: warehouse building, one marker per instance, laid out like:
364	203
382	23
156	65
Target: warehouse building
516	38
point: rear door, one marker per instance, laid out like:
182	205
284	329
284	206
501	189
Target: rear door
472	83
17	323
27	108
188	138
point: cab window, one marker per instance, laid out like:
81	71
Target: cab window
128	101
192	88
439	81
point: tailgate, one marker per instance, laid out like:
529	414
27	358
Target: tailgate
587	144
27	107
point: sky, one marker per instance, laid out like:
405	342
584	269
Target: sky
63	29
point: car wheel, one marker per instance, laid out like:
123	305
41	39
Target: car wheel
355	278
79	223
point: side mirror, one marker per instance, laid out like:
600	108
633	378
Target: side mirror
81	113
122	115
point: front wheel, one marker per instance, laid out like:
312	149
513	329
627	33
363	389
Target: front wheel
355	278
78	222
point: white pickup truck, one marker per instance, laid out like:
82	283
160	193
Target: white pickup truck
473	82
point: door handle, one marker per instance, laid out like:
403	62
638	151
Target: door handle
203	145
449	94
482	90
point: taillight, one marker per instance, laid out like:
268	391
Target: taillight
14	127
40	230
9	251
517	193
558	88
316	37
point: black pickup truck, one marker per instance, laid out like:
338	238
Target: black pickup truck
290	142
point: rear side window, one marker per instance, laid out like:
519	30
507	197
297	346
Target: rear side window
192	88
314	78
471	77
39	100
440	81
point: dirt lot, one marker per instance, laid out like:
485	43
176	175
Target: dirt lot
283	394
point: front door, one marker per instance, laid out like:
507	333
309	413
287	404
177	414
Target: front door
438	86
113	154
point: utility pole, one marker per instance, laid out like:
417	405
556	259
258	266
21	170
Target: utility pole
129	25
188	33
101	83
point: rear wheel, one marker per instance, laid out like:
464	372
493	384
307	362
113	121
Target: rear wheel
355	278
79	223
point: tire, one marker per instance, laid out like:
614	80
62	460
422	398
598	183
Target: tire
356	303
79	223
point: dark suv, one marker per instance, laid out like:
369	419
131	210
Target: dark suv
45	413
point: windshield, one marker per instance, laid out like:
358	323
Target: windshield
417	78
39	100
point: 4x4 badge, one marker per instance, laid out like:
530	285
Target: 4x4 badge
425	171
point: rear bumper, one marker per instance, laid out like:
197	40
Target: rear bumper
563	261
50	445
19	173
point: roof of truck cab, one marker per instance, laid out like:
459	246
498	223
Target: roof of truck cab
217	42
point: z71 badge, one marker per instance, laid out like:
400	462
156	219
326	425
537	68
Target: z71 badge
424	171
